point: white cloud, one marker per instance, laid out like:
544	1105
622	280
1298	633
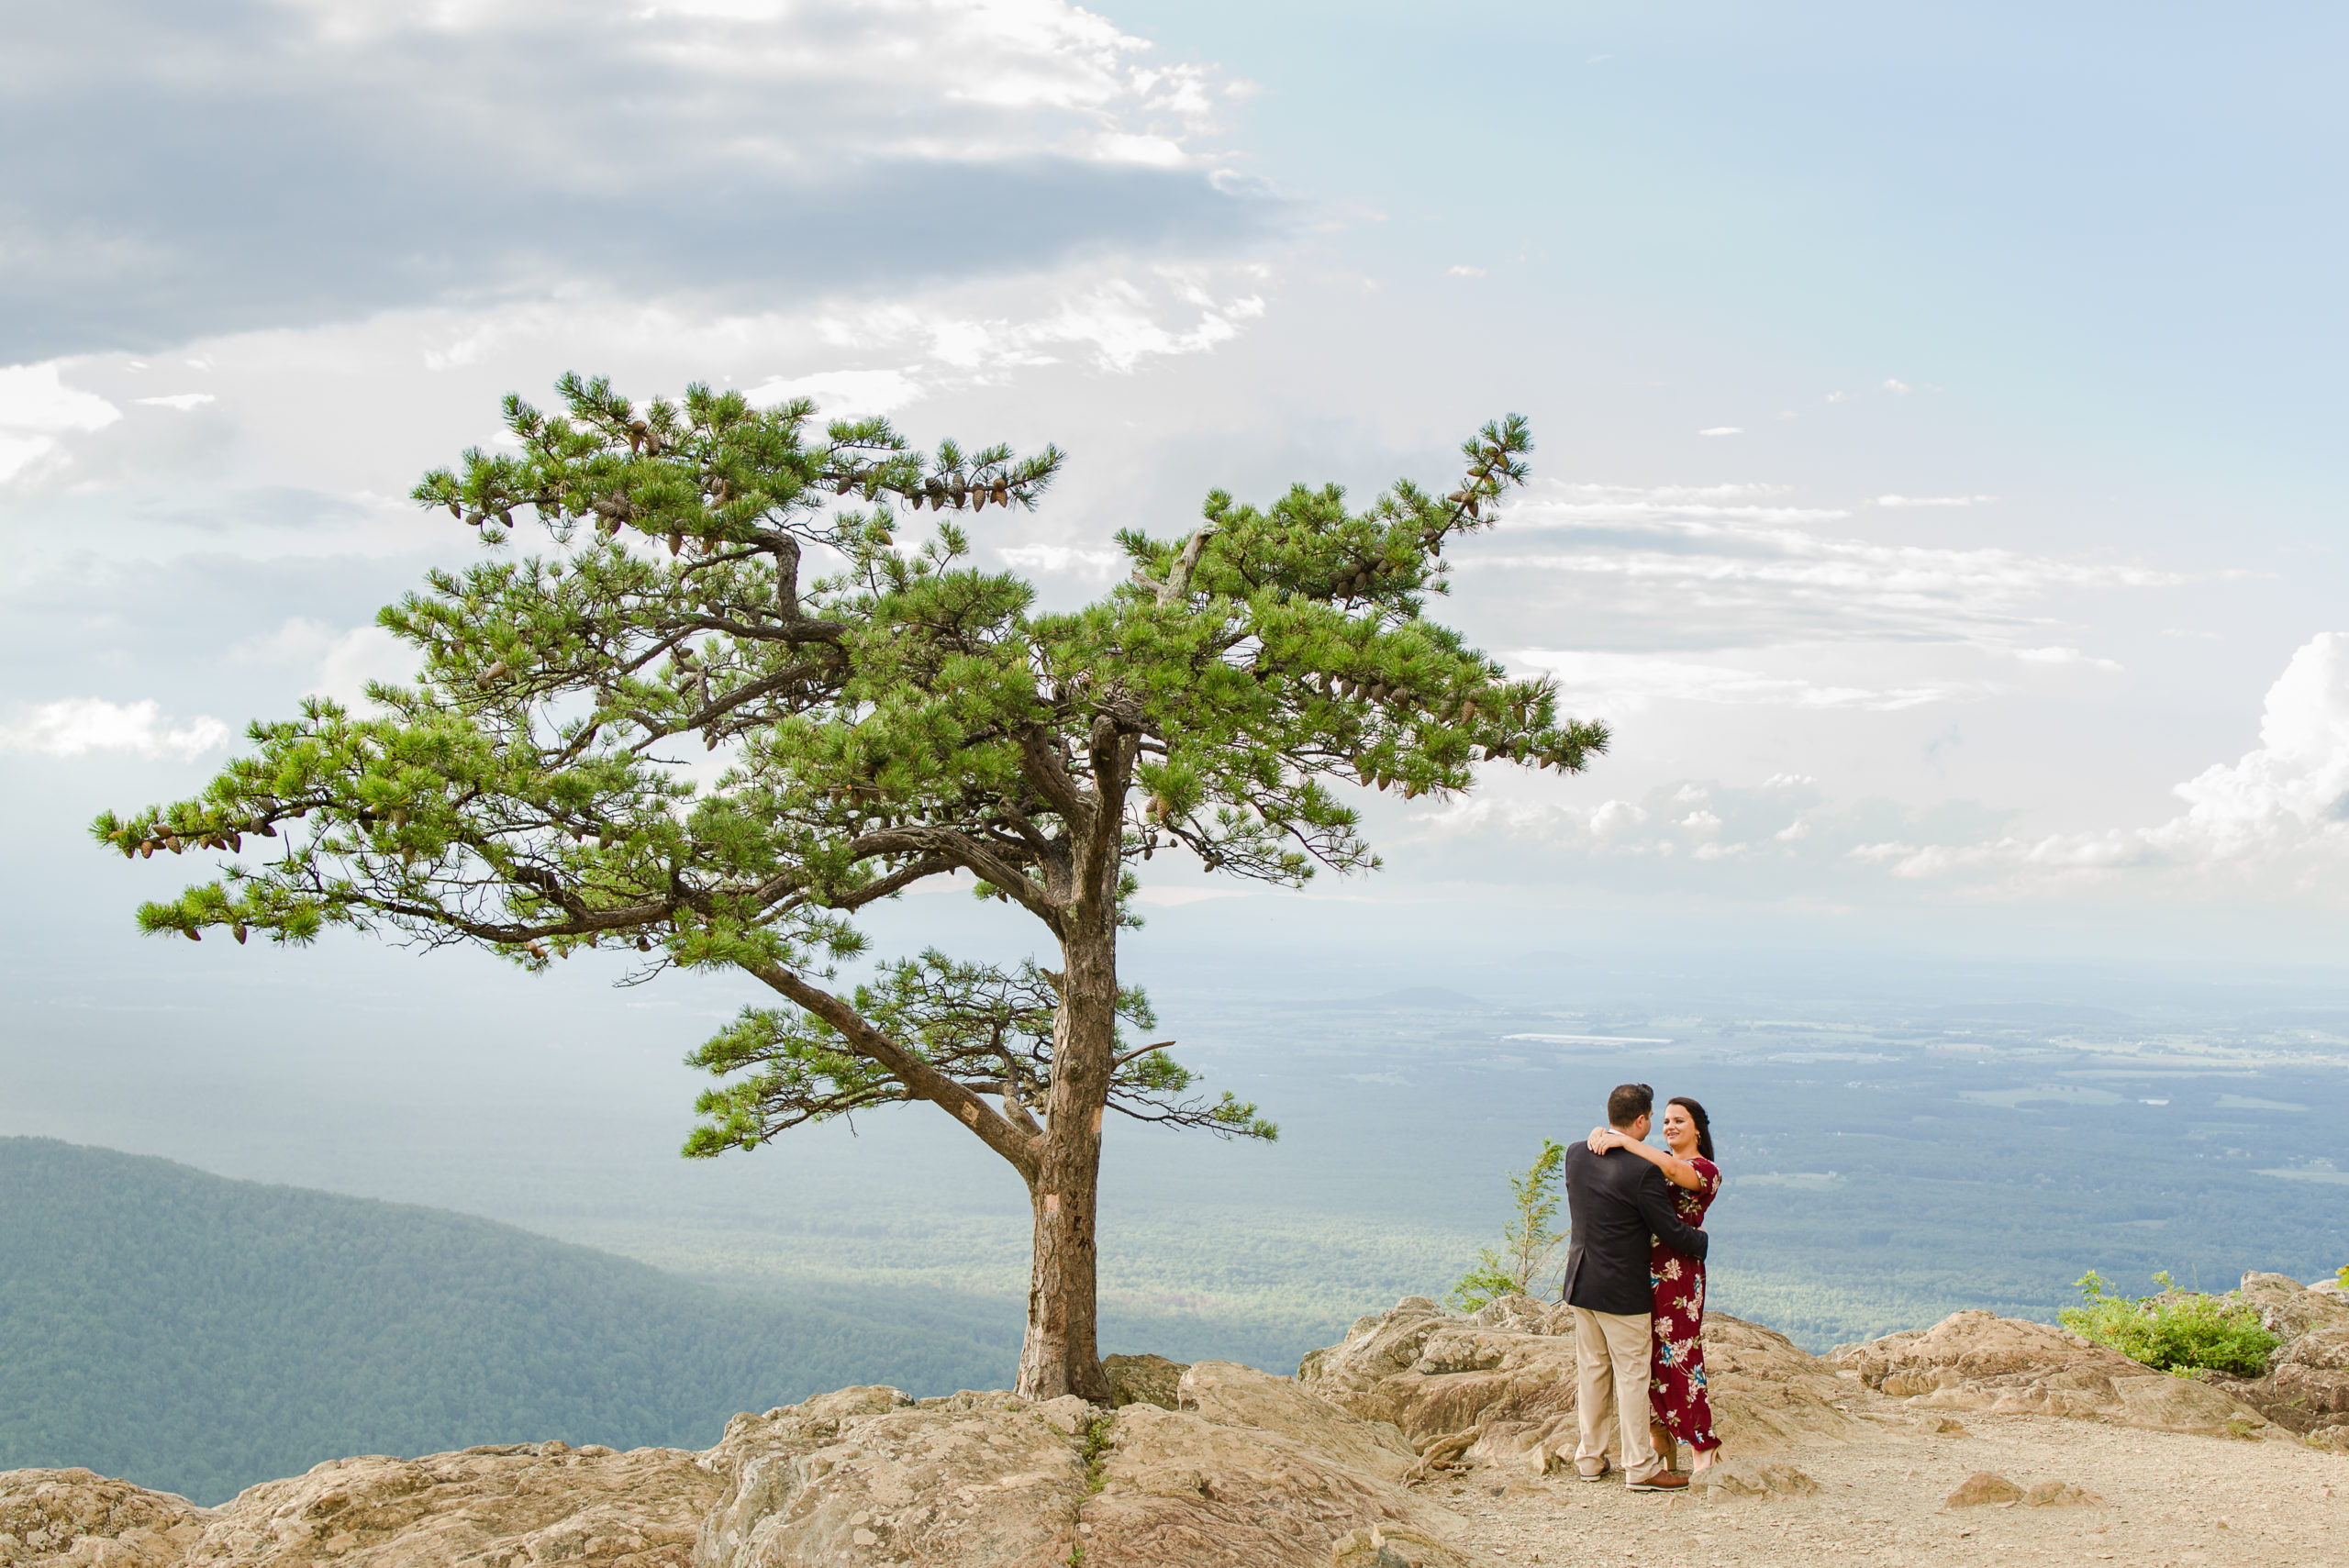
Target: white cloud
2282	809
1079	561
1756	569
2063	656
832	144
1612	684
1113	321
1615	816
1557	504
337	664
1898	388
1464	272
78	725
183	401
844	395
2293	789
1176	897
37	407
1724	431
1933	500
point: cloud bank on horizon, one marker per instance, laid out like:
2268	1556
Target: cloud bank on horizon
1897	643
2276	819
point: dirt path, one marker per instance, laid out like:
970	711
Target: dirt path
2172	1500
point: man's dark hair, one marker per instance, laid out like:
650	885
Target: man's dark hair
1629	1103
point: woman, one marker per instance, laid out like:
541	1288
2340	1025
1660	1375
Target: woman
1679	1409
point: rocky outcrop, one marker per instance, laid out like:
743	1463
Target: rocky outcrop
1228	1394
1253	1472
50	1519
1506	1377
1977	1361
501	1507
869	1475
2306	1388
497	1507
1973	1361
1213	1463
1177	1489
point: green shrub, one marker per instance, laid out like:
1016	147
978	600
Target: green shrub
2176	1331
1529	1247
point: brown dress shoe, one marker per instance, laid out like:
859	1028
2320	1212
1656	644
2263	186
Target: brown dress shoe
1662	1481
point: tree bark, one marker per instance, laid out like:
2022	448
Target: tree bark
1060	1353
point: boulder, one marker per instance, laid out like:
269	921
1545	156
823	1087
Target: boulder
2290	1309
504	1506
1983	1489
867	1475
1727	1478
1229	1394
1352	1372
2305	1386
1179	1489
1253	1472
1145	1380
1508	1374
51	1518
1977	1361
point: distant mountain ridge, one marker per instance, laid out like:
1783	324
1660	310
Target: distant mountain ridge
196	1334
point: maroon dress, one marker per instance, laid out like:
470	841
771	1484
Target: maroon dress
1676	1365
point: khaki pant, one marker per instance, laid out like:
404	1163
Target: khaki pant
1611	1394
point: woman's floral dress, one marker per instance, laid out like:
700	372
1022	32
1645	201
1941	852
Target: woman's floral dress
1676	1365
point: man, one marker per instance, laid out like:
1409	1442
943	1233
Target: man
1617	1202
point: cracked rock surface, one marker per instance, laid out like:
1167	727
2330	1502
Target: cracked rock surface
1422	1440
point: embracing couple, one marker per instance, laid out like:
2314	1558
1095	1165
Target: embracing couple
1635	1279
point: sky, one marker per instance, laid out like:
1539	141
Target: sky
1938	408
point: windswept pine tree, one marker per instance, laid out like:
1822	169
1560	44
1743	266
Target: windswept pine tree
888	713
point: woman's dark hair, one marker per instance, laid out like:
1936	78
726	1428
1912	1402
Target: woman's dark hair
1704	1123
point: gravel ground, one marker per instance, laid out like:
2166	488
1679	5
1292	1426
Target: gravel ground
2171	1499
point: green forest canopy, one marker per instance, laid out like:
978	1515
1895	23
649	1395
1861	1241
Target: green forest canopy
198	1335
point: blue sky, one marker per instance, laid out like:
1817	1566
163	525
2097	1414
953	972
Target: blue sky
1938	408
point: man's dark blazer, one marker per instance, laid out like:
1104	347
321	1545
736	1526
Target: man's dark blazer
1616	1202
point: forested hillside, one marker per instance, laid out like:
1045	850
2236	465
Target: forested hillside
196	1335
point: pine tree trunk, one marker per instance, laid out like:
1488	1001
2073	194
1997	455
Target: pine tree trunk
1060	1354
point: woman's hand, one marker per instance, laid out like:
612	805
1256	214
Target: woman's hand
1602	1139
